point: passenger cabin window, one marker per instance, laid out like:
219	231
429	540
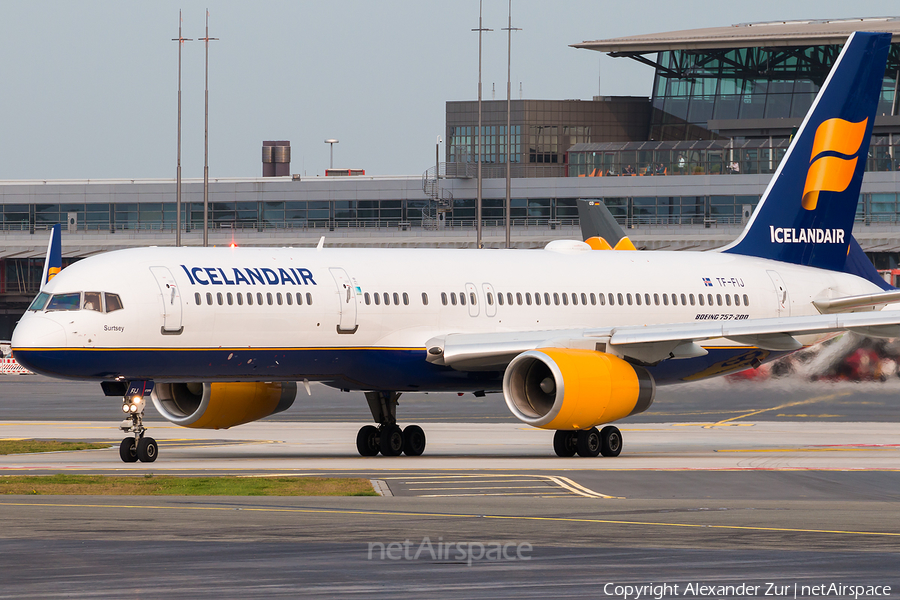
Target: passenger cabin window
500	298
528	298
628	297
92	301
197	298
647	299
278	298
249	299
453	298
700	298
719	299
259	299
65	301
444	298
424	299
240	299
396	297
683	300
39	302
692	299
612	299
509	299
620	299
219	299
593	299
230	298
308	298
565	299
377	299
602	298
665	299
269	298
547	298
556	298
674	299
537	298
737	300
472	298
490	299
299	299
746	300
575	299
462	298
637	299
405	299
289	298
728	299
519	298
209	298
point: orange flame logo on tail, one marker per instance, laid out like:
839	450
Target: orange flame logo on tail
832	173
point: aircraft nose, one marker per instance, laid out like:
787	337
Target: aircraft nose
36	331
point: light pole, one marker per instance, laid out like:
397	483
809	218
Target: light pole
331	143
509	29
180	41
480	137
206	40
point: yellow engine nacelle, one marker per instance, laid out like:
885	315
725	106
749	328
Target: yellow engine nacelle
221	405
558	388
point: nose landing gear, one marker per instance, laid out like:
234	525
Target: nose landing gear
141	447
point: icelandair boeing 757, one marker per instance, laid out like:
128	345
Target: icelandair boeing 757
574	337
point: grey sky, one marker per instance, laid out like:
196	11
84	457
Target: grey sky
89	88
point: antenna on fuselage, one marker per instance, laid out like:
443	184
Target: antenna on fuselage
321	243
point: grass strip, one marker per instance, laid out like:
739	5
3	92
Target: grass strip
168	485
29	446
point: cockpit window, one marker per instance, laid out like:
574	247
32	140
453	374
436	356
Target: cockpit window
113	302
92	301
65	301
39	302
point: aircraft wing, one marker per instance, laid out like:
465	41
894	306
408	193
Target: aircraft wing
651	344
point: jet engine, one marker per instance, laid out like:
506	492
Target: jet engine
221	405
564	389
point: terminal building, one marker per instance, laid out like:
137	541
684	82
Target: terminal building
681	169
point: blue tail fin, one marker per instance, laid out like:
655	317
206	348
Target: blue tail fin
53	260
806	214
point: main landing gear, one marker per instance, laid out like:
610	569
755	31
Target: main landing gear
588	442
387	437
140	447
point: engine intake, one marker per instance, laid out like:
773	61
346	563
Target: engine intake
558	388
221	405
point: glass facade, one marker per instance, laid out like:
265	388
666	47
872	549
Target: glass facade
693	87
463	144
710	157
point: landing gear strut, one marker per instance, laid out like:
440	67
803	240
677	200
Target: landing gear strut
588	442
387	437
140	447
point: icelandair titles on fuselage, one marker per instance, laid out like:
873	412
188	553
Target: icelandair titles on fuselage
248	276
788	235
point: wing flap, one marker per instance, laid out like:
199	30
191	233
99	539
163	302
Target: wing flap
652	343
849	303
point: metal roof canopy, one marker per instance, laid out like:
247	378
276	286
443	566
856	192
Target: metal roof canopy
777	34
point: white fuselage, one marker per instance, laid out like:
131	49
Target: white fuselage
181	310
